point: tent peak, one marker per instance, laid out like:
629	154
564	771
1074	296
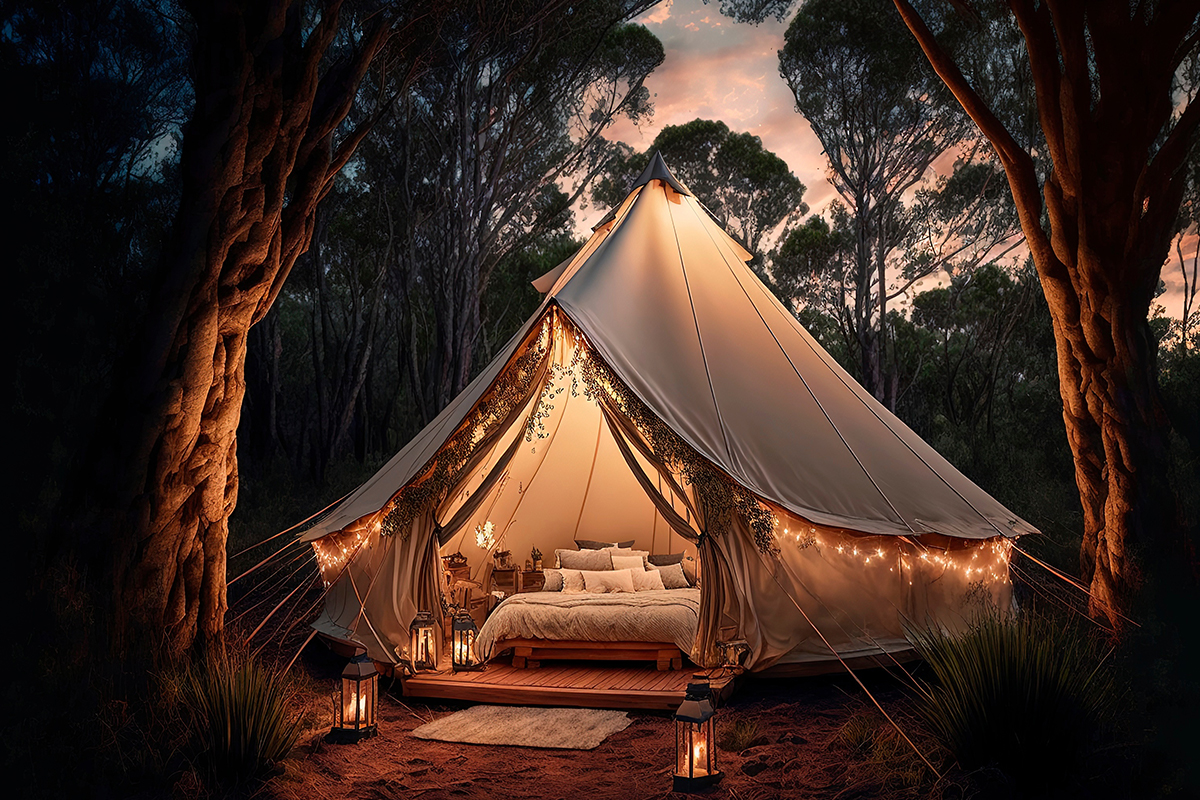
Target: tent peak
658	170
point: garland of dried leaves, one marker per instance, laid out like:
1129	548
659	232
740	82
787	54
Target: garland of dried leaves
443	469
722	496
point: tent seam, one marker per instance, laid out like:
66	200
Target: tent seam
808	388
587	490
699	339
865	405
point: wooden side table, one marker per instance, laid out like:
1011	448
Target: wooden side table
504	580
532	580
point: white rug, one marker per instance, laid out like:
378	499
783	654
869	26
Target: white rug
562	728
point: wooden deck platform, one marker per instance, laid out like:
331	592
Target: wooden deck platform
578	684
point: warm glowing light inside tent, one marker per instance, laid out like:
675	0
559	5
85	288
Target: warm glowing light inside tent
484	538
987	560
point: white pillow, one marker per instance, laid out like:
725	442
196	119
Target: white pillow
572	580
672	576
608	581
645	580
629	562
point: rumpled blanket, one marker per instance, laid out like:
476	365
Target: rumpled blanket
669	615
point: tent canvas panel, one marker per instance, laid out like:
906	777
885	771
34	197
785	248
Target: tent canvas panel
658	360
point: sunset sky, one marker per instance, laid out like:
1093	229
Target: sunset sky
719	69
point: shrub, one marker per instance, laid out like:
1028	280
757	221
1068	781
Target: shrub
240	719
1025	695
741	734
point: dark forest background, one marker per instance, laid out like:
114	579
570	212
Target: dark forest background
480	145
416	275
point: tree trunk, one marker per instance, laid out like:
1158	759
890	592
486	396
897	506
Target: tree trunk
148	517
1107	367
1103	73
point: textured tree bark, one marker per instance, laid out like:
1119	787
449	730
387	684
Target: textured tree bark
1103	75
148	518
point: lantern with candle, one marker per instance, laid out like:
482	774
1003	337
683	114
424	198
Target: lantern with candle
422	647
695	741
462	643
354	709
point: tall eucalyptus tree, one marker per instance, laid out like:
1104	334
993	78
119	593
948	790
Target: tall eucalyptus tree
475	155
148	515
749	189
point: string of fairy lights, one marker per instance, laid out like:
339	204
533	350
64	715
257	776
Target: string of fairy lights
988	561
333	552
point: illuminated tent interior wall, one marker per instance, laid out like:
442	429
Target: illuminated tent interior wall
660	393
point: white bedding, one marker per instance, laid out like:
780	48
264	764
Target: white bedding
667	615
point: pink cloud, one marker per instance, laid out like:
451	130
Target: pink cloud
715	70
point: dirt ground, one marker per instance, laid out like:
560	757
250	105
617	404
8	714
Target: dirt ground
811	738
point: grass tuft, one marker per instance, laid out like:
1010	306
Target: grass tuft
1026	695
240	719
739	735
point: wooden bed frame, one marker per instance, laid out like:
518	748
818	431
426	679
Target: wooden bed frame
531	652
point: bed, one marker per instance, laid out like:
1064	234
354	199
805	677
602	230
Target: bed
657	625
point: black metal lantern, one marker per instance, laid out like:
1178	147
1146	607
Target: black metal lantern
462	643
422	643
695	741
354	709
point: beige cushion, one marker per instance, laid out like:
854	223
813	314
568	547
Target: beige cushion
608	581
572	580
584	559
554	581
689	570
626	551
645	580
629	562
672	576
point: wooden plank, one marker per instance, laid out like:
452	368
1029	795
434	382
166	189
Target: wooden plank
586	685
553	696
569	676
652	682
630	679
623	679
674	681
592	678
528	677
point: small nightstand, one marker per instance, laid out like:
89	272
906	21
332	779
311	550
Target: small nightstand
504	580
532	581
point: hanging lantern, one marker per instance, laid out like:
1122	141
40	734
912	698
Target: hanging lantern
695	741
354	710
462	643
422	643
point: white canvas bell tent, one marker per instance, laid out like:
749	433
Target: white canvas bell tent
660	393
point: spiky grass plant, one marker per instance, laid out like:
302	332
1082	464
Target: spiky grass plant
1026	695
240	717
740	734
